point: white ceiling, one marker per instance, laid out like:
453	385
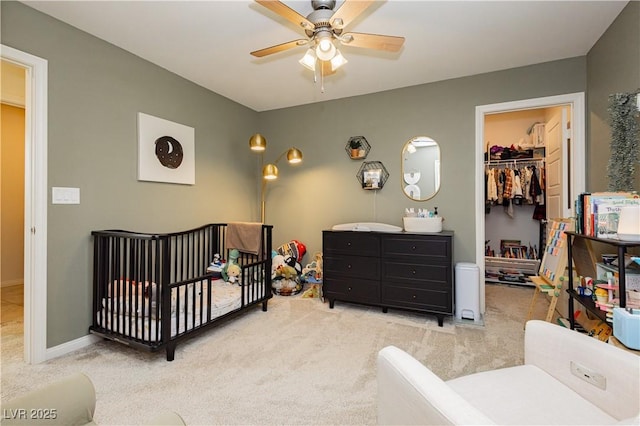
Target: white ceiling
208	42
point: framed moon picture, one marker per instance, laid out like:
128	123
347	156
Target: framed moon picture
166	151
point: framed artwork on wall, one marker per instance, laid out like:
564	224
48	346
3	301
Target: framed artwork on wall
166	151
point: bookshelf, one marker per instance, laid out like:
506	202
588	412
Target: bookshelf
621	246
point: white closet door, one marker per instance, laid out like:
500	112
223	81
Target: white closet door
556	155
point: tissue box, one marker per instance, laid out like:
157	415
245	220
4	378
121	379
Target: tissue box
626	327
423	224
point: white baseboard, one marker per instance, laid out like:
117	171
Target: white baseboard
11	283
71	346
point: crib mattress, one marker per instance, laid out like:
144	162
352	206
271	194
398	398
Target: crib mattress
186	314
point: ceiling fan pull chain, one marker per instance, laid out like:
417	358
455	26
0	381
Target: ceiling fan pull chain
321	79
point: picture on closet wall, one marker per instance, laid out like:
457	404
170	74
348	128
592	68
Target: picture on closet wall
166	151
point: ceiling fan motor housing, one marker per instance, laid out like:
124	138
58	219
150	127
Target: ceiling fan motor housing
323	4
320	19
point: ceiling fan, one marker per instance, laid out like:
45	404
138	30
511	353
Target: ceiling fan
324	29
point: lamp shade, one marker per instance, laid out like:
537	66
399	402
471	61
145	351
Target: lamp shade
270	172
294	155
325	49
257	142
338	60
309	60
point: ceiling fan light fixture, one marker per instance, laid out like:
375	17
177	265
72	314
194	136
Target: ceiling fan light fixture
338	60
325	50
309	60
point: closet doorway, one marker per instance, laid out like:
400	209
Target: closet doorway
562	155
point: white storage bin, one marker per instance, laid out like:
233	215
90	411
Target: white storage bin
467	291
423	224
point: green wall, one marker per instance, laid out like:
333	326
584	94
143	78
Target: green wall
613	66
96	90
324	191
95	93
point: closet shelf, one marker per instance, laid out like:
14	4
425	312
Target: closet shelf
518	161
510	270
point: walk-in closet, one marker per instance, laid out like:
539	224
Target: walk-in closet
526	154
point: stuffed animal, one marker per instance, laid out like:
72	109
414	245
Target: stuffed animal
276	262
233	273
313	271
293	248
293	262
233	259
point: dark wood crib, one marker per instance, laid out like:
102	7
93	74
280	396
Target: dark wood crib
151	291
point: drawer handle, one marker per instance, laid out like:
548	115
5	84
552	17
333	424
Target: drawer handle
413	297
349	288
349	266
349	244
413	248
413	272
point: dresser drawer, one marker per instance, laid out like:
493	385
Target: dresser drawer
439	301
431	248
352	290
351	266
437	274
352	243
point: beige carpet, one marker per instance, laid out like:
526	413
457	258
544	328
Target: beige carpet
298	363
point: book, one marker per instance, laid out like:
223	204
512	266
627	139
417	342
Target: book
607	215
591	202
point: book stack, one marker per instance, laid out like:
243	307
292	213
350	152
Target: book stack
597	213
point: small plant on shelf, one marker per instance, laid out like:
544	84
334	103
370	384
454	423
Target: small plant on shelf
355	146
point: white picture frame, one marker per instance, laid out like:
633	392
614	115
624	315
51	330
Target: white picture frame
166	151
371	178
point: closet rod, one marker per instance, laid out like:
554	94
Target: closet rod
514	161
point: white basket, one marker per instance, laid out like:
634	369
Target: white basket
423	224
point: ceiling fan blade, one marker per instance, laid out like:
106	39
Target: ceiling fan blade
349	11
373	41
287	13
279	48
326	68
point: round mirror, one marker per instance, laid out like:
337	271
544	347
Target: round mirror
420	168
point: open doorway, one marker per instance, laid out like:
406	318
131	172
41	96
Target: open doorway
573	160
12	151
35	202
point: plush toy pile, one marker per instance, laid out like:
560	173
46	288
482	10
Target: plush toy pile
286	269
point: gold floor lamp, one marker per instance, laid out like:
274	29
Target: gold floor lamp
258	143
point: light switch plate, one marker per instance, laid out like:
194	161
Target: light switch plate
60	195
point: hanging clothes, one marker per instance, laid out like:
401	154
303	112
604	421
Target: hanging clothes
492	188
514	182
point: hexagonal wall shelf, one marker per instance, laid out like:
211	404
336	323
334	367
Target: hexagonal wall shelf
357	148
372	175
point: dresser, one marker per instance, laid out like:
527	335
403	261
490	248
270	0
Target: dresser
401	270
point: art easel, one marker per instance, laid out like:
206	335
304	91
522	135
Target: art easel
552	268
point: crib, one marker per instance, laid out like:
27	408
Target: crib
151	291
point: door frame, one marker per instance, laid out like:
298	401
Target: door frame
578	159
35	202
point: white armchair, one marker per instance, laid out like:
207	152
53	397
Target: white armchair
542	391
